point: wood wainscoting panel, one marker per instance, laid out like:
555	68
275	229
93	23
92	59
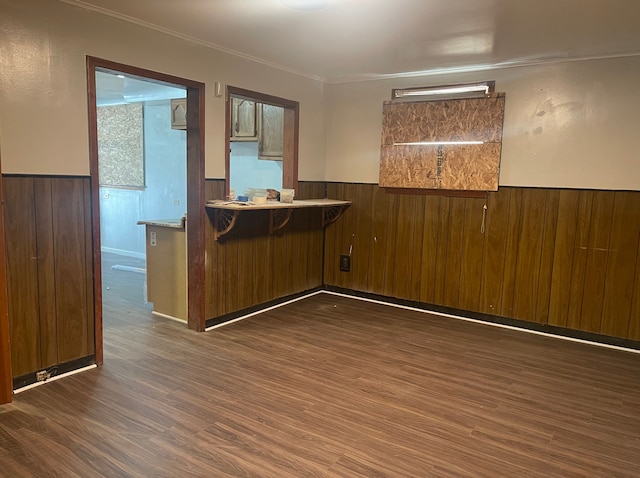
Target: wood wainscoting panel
621	266
430	239
46	271
495	243
567	258
22	274
596	263
529	241
580	248
563	256
407	270
382	235
453	254
472	255
249	266
73	312
50	270
552	198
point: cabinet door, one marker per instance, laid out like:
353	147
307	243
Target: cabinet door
270	145
243	120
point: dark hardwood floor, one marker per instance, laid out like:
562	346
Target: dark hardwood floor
327	386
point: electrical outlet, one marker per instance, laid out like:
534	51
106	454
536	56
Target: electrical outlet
153	238
345	262
176	202
42	375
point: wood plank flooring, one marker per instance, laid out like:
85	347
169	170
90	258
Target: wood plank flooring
327	387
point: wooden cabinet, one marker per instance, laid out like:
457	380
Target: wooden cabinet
271	132
167	268
243	120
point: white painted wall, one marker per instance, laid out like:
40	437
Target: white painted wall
43	92
572	124
566	125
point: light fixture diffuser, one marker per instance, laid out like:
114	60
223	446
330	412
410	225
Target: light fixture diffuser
474	90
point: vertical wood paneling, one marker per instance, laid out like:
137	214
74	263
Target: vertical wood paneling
453	265
89	269
263	275
530	238
5	343
391	247
546	256
22	274
214	189
621	265
495	244
596	265
405	228
537	260
514	220
472	255
430	231
69	256
634	321
416	247
246	279
441	253
46	271
563	255
347	237
381	235
49	243
362	240
333	239
576	290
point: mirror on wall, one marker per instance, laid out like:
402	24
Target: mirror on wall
262	142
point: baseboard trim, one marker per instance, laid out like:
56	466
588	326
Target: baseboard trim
29	380
227	319
498	321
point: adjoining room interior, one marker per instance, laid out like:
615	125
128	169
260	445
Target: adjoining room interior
142	173
434	271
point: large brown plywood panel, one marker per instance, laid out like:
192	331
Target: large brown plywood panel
22	274
405	163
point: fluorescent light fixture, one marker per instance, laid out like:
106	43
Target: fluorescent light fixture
438	143
439	92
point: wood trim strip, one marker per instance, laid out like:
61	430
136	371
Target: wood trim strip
6	384
195	190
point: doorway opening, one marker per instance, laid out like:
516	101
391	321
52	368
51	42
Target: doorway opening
129	177
142	175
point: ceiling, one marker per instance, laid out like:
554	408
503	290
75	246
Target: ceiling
353	40
114	89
